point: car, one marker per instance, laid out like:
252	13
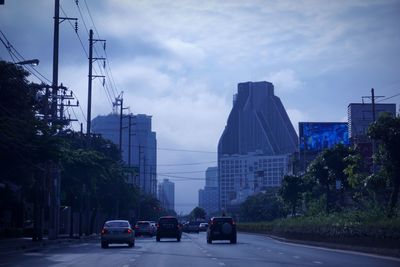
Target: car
117	231
143	228
168	227
192	227
203	227
222	228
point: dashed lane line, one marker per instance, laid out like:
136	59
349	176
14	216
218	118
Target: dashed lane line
317	262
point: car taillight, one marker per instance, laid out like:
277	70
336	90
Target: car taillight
104	231
158	226
129	231
233	222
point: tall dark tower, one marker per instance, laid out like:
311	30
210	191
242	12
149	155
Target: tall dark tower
258	122
255	148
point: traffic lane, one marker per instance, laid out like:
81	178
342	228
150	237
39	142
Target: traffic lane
169	252
85	254
258	248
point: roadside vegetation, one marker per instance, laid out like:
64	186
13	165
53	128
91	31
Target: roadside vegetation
337	199
93	176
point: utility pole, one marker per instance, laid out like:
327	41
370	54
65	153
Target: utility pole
120	123
373	97
53	171
119	101
129	140
90	79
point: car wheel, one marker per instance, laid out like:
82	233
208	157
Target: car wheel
179	239
104	245
158	239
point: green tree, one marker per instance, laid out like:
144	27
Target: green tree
327	169
264	206
26	142
197	213
386	131
291	191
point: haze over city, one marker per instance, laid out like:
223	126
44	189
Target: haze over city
180	62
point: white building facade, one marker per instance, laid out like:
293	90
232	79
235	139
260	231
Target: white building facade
244	175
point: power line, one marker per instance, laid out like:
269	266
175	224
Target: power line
387	98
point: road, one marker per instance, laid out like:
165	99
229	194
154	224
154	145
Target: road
251	250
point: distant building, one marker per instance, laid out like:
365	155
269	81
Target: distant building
166	194
360	116
143	156
256	146
208	197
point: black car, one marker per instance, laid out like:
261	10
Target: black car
168	227
221	228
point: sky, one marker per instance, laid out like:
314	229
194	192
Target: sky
181	60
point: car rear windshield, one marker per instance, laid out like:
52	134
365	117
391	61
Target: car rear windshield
117	224
219	220
168	220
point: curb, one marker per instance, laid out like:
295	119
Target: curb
26	245
369	250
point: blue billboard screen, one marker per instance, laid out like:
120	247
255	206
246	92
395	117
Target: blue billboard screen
317	136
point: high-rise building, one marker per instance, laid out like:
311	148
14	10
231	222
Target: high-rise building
360	116
208	197
255	148
166	194
143	152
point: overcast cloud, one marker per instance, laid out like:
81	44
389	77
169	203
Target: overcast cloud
180	61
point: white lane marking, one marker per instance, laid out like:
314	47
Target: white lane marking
132	259
280	253
125	265
317	262
221	263
296	257
209	255
214	259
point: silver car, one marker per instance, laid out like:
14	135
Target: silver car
117	231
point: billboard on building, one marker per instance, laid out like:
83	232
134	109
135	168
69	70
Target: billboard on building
317	136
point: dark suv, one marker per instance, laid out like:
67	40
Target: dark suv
168	227
221	228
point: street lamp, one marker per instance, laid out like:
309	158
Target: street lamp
33	62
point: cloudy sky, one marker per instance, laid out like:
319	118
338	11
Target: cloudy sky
180	61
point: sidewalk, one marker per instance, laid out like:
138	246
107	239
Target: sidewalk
23	244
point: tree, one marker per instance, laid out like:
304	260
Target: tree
264	206
290	191
328	169
197	213
25	144
386	131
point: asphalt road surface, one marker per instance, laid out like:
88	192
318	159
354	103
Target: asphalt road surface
251	250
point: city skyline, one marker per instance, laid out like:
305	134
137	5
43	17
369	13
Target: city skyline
183	68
